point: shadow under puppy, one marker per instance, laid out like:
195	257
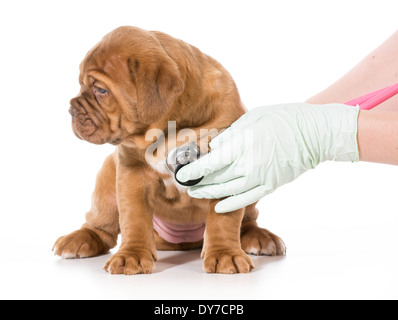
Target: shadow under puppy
132	82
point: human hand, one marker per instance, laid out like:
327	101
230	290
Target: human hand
269	147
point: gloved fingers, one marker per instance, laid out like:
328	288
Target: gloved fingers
222	190
233	136
225	135
224	175
242	200
215	160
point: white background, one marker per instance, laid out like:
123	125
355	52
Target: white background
339	221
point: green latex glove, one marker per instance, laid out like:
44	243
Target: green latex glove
269	147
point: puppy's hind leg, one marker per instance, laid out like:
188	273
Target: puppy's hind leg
258	241
99	233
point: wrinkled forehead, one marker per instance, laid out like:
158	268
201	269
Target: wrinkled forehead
90	62
102	64
110	57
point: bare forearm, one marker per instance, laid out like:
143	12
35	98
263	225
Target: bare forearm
378	70
377	131
378	137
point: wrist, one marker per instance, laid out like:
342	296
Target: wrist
378	137
339	126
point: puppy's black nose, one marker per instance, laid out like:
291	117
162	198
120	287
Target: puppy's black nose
73	112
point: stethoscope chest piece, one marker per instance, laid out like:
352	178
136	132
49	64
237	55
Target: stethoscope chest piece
180	157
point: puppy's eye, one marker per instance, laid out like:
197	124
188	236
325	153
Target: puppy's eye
101	90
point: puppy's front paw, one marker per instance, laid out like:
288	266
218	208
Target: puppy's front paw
82	243
228	262
130	262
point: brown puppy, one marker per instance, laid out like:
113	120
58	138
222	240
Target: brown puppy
131	82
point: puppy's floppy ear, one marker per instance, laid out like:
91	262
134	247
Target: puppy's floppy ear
158	83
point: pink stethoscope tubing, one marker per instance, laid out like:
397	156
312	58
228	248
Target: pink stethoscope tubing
372	100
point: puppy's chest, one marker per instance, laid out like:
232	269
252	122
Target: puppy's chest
174	218
170	184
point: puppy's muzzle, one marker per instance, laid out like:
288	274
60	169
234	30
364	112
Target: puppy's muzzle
83	125
76	109
73	112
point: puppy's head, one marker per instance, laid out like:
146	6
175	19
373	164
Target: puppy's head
128	82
